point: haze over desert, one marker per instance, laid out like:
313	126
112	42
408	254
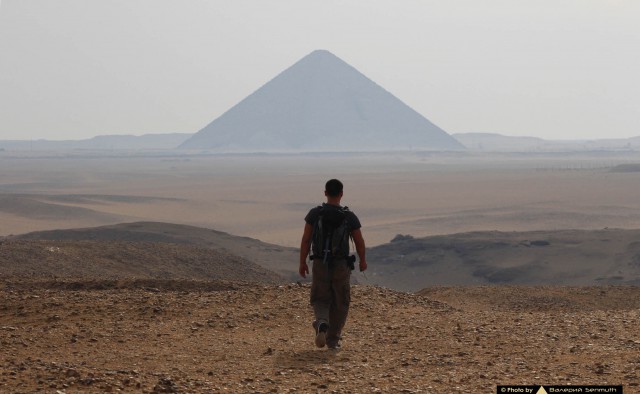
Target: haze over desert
266	196
161	162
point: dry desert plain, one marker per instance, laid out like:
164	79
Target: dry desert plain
266	196
91	334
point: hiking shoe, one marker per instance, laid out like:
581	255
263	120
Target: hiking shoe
333	343
321	334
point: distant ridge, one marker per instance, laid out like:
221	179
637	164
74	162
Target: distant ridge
101	142
492	142
323	104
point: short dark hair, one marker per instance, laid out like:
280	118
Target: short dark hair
333	187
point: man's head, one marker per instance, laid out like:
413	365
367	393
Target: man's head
333	188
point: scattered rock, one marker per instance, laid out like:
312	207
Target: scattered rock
441	340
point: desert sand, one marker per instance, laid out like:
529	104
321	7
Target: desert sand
266	196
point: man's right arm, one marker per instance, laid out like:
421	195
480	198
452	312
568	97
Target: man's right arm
305	247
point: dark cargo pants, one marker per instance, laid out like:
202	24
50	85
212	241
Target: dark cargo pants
331	295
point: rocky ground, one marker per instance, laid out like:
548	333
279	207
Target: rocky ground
181	336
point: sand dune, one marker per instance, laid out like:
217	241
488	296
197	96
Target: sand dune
37	208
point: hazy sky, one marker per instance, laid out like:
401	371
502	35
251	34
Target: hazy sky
558	69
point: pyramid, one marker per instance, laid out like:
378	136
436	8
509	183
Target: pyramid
321	104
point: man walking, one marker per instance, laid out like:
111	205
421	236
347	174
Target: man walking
327	231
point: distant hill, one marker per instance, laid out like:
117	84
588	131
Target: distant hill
491	142
278	259
102	260
102	142
56	208
321	104
169	251
568	257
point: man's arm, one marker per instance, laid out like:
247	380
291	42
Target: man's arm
305	246
360	249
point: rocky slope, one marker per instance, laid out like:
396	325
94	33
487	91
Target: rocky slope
278	259
125	259
560	257
69	337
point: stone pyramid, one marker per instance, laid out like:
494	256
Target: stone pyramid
321	104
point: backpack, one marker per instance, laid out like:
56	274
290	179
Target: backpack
331	233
